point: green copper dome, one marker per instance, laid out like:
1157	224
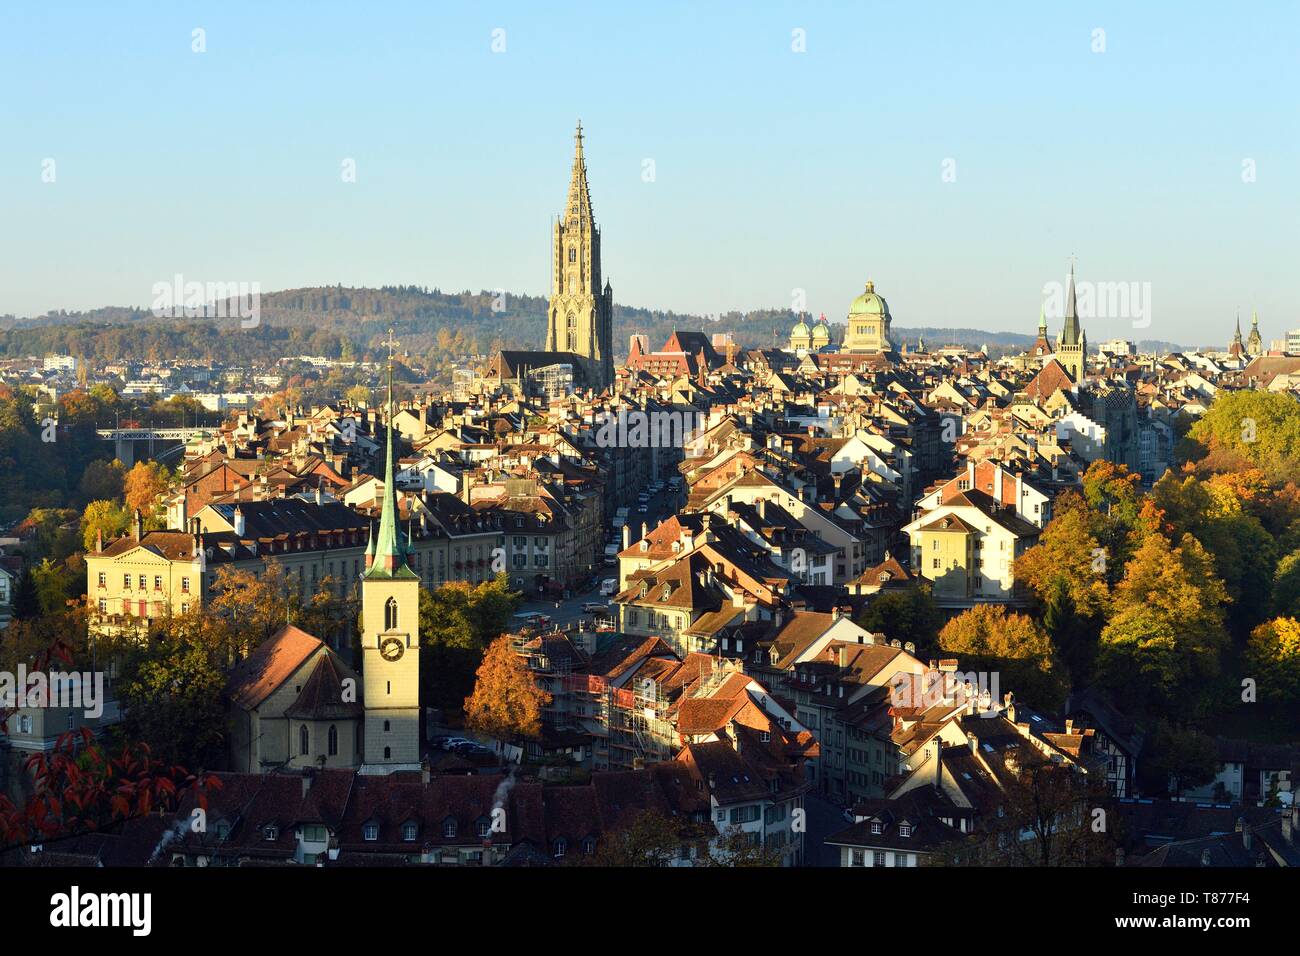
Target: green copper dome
800	329
821	333
869	303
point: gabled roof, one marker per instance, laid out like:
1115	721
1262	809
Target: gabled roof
274	662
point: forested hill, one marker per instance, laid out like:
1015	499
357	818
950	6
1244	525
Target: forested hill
350	323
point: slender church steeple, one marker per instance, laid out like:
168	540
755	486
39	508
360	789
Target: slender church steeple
1072	344
1070	327
390	632
389	556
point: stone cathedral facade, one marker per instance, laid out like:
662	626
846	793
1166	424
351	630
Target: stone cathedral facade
581	315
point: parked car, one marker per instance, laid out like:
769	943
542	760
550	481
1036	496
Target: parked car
595	607
451	743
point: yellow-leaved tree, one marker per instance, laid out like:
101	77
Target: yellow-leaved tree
506	702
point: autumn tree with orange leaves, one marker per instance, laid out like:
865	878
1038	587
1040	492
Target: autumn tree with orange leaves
506	702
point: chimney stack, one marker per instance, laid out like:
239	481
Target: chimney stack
139	526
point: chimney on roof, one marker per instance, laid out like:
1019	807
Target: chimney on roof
308	778
139	526
627	536
1009	705
99	539
240	527
320	495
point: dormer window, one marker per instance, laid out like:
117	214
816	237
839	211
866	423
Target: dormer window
876	827
561	847
408	832
905	829
449	829
370	832
271	832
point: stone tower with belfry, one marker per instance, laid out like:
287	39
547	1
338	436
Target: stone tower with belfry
581	314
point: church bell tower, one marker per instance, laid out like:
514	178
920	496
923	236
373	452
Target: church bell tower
390	639
580	317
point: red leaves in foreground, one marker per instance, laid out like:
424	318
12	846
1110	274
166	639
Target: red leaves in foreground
80	788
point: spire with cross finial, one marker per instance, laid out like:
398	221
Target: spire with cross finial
580	315
389	556
578	210
1070	327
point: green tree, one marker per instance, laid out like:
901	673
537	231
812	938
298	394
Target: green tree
1068	554
1286	586
104	518
649	840
457	623
27	601
904	615
102	480
988	637
54	585
172	692
1177	758
1263	427
1164	641
1273	659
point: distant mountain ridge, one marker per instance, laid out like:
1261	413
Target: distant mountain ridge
338	321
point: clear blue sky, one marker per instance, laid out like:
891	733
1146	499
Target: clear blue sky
775	170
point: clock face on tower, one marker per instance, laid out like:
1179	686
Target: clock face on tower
392	648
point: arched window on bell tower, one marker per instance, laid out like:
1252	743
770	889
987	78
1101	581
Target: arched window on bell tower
390	614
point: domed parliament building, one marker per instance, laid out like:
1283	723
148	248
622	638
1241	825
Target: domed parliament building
867	331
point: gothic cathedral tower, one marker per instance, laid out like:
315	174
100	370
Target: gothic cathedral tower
581	313
390	639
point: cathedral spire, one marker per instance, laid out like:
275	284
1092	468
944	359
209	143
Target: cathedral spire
579	206
389	556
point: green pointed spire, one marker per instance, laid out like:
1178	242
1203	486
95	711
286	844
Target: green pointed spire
390	557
